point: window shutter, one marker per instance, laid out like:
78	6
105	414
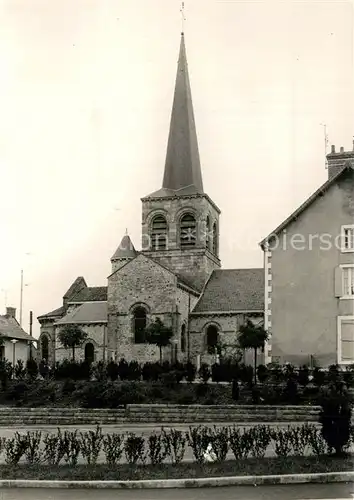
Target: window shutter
338	284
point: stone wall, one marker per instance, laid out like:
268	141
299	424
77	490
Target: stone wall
228	325
159	414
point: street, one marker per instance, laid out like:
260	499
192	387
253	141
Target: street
291	492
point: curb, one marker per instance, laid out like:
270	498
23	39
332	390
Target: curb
331	477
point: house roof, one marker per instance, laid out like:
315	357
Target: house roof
10	328
90	294
76	286
125	249
233	290
53	314
348	167
88	312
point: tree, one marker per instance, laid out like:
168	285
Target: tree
71	336
252	337
159	334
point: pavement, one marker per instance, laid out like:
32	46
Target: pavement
281	492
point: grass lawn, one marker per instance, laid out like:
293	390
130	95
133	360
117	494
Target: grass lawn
251	466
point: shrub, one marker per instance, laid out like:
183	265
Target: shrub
134	448
112	370
53	449
32	369
319	376
216	373
113	448
69	386
175	443
220	442
204	372
70	445
20	370
90	445
262	373
348	376
18	392
158	448
246	374
32	452
334	375
123	368
134	371
315	441
15	448
304	376
198	439
282	442
241	442
190	372
260	438
335	418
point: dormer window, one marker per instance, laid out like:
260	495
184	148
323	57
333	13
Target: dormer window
188	231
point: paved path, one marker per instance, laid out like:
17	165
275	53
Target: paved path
290	492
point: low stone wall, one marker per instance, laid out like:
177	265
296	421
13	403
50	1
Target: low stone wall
159	414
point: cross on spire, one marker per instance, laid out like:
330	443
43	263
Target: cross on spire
183	18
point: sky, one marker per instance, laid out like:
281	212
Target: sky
86	92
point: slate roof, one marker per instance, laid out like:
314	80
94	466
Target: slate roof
233	290
90	294
53	314
89	312
10	328
125	250
348	167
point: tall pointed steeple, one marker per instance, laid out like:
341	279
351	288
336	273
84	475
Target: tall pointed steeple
182	167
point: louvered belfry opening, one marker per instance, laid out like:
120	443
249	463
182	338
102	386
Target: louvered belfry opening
188	231
159	233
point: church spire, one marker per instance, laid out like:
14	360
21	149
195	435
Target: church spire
182	167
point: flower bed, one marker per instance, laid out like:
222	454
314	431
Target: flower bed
247	467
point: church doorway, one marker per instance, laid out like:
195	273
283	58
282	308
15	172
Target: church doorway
89	352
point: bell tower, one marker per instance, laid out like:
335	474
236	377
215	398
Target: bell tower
180	223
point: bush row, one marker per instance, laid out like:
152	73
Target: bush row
168	445
226	371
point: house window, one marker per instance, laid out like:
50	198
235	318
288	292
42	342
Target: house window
348	238
348	281
183	338
139	325
159	233
345	340
89	352
212	339
44	347
188	231
215	239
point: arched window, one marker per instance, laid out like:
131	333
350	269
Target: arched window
212	338
44	347
215	239
207	233
139	324
159	233
188	231
183	338
89	352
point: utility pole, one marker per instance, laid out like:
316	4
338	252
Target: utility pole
30	332
21	298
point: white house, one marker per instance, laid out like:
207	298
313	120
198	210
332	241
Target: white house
17	343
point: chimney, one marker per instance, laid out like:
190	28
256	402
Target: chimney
337	160
11	312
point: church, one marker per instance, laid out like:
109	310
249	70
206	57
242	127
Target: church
176	276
